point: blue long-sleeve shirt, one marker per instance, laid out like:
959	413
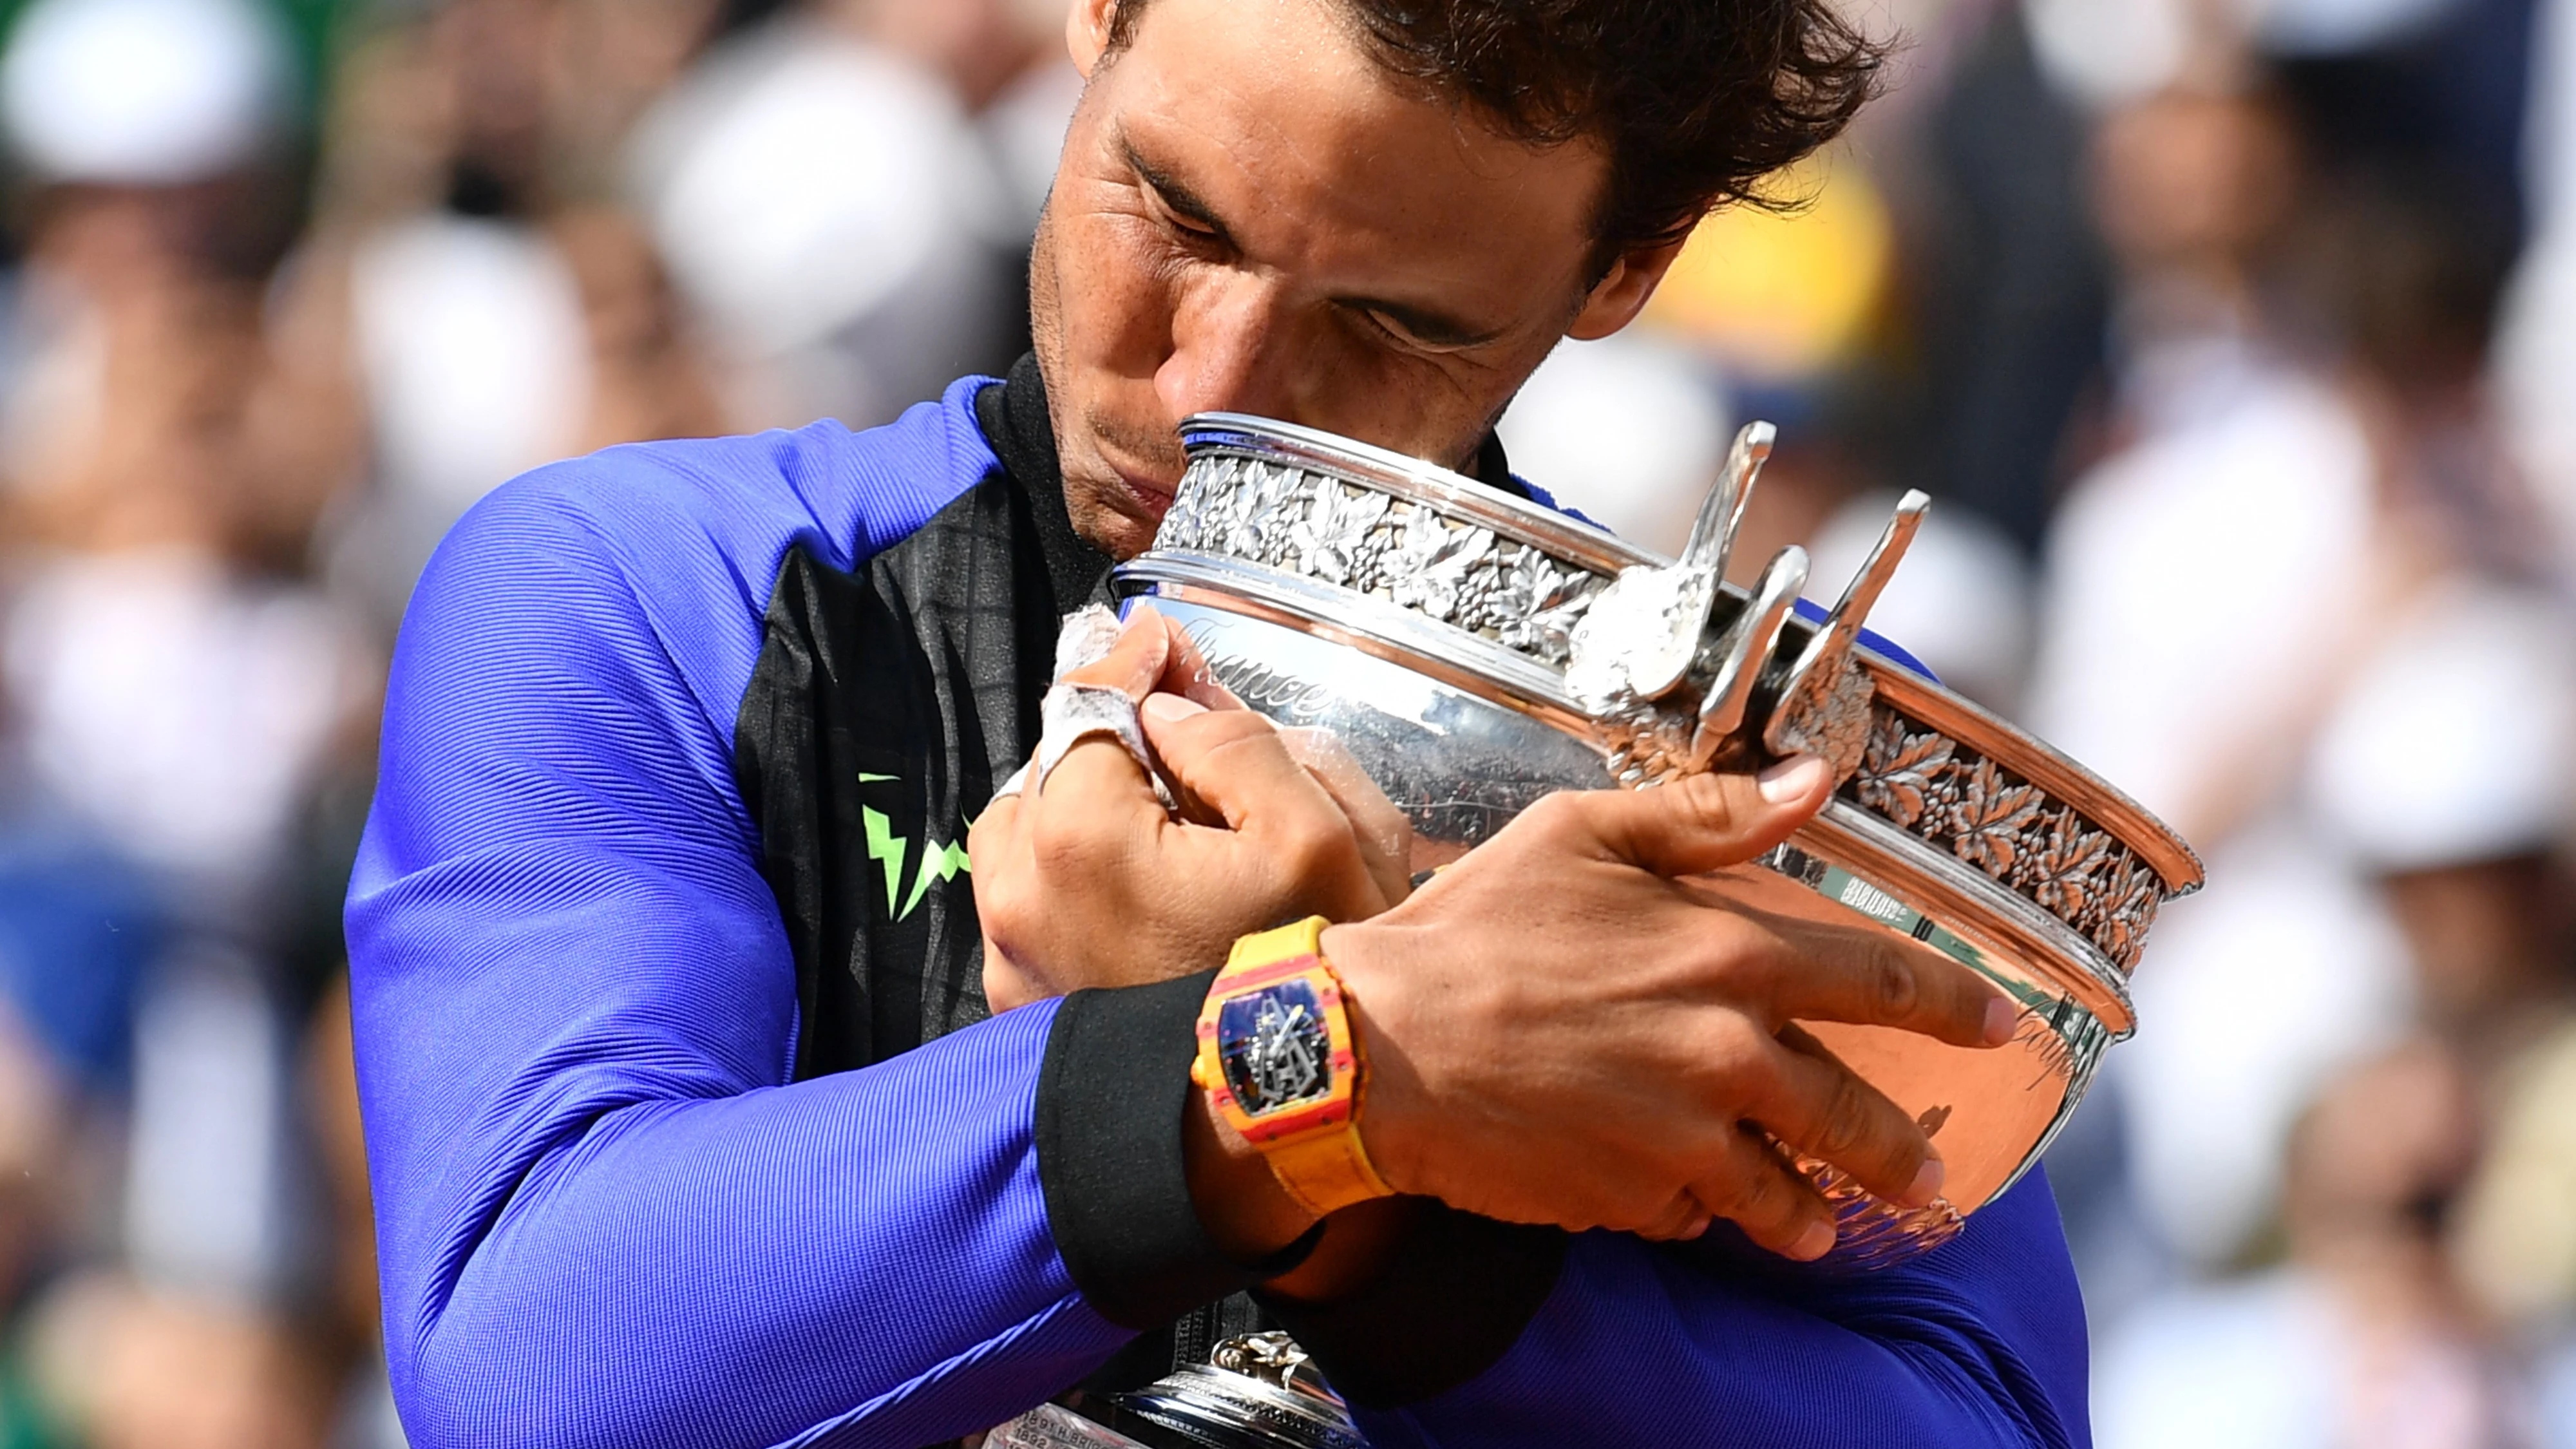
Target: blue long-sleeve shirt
648	861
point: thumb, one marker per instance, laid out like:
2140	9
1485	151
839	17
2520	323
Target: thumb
1702	823
1136	661
1234	762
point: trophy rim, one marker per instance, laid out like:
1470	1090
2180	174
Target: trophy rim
1414	480
2177	866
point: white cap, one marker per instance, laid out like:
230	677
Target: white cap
142	92
802	179
2454	743
1629	430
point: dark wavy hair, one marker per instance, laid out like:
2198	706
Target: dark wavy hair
1695	100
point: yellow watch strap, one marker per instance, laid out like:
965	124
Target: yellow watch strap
1328	1171
1323	1168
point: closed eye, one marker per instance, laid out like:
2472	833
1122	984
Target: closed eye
1419	333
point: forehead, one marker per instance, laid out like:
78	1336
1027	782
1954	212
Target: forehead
1280	108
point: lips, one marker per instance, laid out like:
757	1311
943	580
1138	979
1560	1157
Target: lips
1151	498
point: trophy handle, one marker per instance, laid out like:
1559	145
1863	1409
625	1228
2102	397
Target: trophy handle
1721	514
1739	654
1819	711
1653	618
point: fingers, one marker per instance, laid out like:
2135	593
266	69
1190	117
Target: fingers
1136	661
1186	672
1096	784
1755	1188
1871	978
1811	1101
1705	822
1384	833
1686	1218
1234	762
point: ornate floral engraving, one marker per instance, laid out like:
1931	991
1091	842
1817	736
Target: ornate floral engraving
1988	819
2060	873
1993	819
1902	773
1398	550
1538	605
1431	567
2125	908
1832	720
1331	538
1648	746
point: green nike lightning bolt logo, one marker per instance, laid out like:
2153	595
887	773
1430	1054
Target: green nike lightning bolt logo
938	862
886	848
941	864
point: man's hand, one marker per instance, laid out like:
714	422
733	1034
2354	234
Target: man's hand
1084	879
1562	1029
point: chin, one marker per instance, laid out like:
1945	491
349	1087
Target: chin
1114	531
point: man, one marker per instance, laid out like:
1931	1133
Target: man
687	1123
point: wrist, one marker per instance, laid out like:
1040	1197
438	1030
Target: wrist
1245	1212
1371	960
1281	1061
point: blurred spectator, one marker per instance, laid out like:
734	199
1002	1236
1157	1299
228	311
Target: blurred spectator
826	201
2007	289
2362	1340
462	313
2537	354
2208	583
2449	767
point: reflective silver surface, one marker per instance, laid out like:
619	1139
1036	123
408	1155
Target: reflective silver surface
1475	652
1259	1393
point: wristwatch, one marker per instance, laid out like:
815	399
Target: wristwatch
1279	1058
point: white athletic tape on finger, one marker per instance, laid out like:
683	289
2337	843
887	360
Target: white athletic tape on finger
1089	633
1073	713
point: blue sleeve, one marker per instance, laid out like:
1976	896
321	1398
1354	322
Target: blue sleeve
605	1215
1980	1343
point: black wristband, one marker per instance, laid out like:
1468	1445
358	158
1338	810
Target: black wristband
1111	1106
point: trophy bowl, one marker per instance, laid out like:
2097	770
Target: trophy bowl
1475	652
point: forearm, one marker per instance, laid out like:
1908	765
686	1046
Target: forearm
867	1249
590	1237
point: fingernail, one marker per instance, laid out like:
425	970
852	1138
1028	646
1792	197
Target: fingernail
1814	1243
1926	1185
2002	1019
1171	707
1792	778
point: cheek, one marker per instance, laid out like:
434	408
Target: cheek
1116	294
1429	408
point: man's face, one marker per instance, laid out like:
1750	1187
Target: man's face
1251	215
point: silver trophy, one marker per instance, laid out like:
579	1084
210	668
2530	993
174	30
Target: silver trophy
1256	1392
1476	652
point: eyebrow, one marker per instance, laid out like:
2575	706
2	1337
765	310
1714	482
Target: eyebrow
1173	193
1434	328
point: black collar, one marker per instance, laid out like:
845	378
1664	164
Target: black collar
1013	416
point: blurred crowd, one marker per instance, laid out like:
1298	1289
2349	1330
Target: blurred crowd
2236	341
2222	331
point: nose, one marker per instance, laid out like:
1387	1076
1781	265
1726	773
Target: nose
1228	349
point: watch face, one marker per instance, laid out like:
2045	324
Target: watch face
1275	1047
